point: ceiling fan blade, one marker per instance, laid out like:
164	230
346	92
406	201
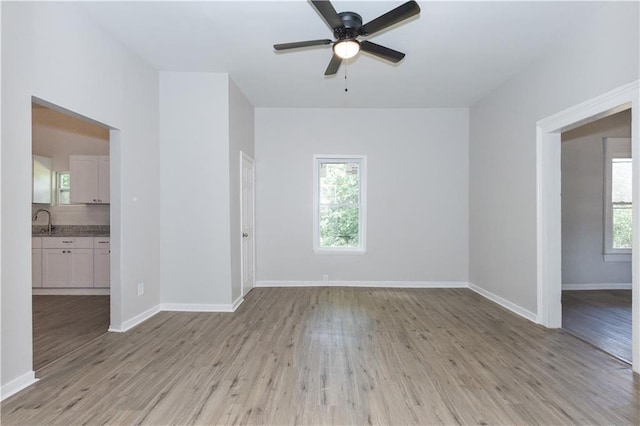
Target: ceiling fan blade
381	51
334	64
295	45
394	16
326	9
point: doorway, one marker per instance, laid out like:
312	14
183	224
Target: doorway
70	233
548	184
596	167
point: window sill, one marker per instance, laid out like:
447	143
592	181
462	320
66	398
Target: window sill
337	251
617	257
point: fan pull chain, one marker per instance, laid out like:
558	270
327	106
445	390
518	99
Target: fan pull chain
346	65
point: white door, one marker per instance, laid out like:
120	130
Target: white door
84	178
101	267
55	268
247	210
81	267
103	179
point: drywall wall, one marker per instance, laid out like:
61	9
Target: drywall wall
417	206
53	52
592	60
194	141
582	199
59	136
241	139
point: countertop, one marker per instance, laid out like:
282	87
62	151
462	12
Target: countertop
71	231
69	234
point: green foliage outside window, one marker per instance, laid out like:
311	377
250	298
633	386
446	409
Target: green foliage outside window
339	205
622	230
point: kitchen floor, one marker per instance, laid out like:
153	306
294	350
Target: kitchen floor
600	317
61	324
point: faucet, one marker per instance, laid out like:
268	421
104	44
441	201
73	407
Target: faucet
35	217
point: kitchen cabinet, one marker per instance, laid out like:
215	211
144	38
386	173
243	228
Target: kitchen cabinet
36	262
89	176
41	180
67	262
101	262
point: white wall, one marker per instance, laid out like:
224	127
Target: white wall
601	56
59	136
241	138
582	198
55	53
417	207
194	141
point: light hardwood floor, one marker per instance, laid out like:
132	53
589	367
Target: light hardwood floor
335	356
601	317
61	324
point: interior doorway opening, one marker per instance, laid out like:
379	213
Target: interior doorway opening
71	280
597	233
548	184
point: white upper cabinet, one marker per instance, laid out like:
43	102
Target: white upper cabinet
41	180
89	179
103	179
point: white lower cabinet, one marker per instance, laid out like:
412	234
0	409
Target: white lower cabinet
101	263
71	263
36	267
56	265
81	268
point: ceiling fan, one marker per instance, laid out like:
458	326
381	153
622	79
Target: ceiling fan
347	27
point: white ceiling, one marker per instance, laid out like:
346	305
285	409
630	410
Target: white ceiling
457	52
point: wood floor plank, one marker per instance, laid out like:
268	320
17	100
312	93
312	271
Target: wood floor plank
62	324
600	317
335	356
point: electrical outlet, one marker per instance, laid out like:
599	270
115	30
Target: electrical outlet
140	289
325	278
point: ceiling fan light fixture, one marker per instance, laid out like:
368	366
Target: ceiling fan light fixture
346	49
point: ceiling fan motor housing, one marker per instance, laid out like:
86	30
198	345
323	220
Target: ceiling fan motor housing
351	23
347	27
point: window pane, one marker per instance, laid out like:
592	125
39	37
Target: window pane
64	181
64	197
621	180
339	227
622	231
339	183
64	185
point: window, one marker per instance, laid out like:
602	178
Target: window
339	204
63	188
618	204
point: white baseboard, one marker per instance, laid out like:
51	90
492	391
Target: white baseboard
196	307
237	303
71	291
16	385
138	319
380	284
504	303
597	286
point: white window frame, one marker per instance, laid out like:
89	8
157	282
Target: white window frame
613	148
362	222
